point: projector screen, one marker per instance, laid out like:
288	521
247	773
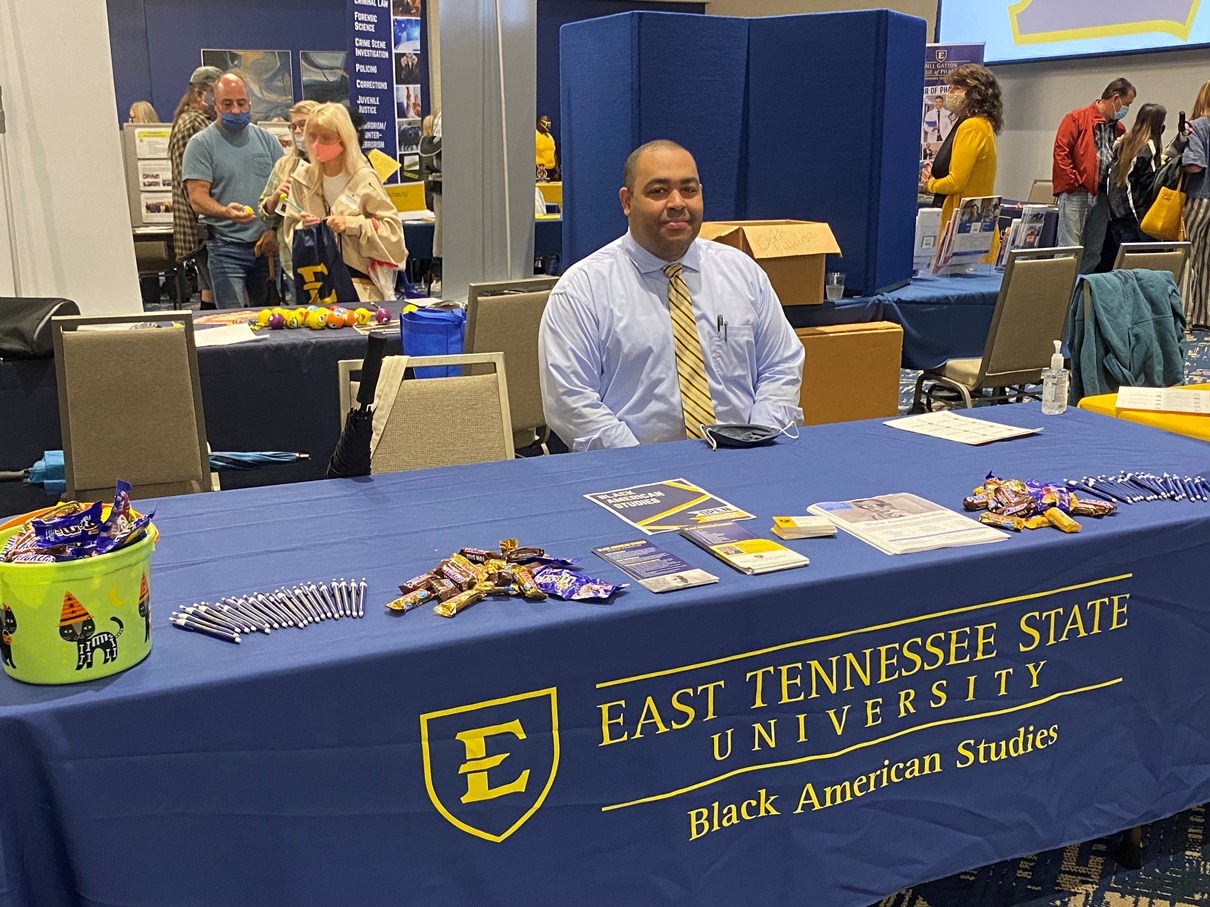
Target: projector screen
1045	29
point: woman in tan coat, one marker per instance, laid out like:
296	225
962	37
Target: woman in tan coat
340	187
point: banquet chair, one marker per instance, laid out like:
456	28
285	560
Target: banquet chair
1042	192
504	317
130	405
1028	318
1154	256
422	423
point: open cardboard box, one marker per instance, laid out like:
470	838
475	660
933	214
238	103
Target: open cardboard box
792	252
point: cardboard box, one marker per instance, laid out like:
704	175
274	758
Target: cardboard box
851	371
792	252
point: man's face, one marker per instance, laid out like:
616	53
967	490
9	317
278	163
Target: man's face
231	96
544	124
665	206
938	102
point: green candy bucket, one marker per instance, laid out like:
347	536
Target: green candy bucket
76	620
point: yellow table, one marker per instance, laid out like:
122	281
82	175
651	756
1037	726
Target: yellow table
1179	423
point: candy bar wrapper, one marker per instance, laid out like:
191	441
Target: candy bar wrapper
444	588
1001	521
455	575
534	563
525	580
1089	507
131	533
119	514
70	529
459	602
975	502
521	555
411	600
480	555
1060	520
507	545
31	558
572	586
465	565
1037	521
415	583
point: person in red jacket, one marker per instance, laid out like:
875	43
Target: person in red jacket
1083	154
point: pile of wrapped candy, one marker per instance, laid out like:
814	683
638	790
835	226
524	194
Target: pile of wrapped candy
318	317
473	574
1016	505
72	530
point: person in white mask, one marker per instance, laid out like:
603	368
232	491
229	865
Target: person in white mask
272	202
340	188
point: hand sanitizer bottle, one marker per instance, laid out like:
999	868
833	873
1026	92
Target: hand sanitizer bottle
1054	384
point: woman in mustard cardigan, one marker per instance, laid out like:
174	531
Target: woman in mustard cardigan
965	165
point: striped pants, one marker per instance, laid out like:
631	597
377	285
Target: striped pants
1195	290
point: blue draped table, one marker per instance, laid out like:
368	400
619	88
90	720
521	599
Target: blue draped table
823	736
942	317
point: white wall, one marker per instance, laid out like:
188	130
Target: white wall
64	158
1038	95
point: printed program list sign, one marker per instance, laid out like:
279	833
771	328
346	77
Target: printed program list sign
371	75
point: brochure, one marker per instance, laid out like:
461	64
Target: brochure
655	569
667	506
1164	399
737	547
904	523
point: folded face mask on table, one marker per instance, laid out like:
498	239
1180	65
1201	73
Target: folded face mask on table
741	435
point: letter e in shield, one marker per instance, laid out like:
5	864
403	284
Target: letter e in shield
489	765
942	53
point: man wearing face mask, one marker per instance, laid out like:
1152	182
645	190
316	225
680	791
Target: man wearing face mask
1082	157
659	332
225	167
193	114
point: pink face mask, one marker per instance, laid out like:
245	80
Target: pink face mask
325	153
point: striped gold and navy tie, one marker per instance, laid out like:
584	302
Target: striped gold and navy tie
696	404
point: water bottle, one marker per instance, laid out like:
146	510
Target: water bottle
1054	384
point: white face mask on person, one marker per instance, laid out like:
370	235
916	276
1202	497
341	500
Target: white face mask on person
300	144
955	101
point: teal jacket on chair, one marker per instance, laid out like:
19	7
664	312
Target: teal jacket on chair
1133	334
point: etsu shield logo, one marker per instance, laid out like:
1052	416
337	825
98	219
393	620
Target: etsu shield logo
489	765
942	53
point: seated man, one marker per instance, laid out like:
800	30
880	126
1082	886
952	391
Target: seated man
659	333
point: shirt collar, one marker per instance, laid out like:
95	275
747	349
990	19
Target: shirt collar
648	263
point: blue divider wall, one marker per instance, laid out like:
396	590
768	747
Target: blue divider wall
634	77
808	117
832	133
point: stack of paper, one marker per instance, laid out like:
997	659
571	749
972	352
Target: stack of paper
803	527
736	547
1164	399
905	523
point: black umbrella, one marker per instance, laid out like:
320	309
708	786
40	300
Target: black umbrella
352	454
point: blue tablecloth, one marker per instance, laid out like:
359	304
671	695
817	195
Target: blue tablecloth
942	317
820	736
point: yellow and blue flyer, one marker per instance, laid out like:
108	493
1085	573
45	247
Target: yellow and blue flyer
667	506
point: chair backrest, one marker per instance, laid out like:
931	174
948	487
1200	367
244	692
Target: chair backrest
1029	315
130	405
1042	192
508	323
1154	256
441	421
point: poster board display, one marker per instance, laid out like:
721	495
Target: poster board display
148	174
936	122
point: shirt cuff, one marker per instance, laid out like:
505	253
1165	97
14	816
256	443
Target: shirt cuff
616	435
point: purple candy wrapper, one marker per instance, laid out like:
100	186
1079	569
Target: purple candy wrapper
572	586
68	530
131	533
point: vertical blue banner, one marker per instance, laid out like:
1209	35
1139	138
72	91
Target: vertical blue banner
371	72
936	122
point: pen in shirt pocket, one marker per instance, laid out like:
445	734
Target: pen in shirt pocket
721	325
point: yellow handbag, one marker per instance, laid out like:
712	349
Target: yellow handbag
1165	219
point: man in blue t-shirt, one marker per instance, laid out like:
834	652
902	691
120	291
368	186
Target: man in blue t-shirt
225	169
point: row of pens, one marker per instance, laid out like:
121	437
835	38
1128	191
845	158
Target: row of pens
1136	487
294	606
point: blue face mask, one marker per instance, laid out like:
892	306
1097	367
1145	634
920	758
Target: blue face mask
236	122
1121	114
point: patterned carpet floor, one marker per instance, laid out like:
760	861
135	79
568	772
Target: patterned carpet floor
1176	868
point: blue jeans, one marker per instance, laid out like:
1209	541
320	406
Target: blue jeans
238	275
1083	221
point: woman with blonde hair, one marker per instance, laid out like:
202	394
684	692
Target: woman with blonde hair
339	187
142	112
277	188
1196	159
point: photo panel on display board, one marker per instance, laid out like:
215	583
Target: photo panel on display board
407	69
324	77
402	8
407	35
407	102
409	138
267	74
